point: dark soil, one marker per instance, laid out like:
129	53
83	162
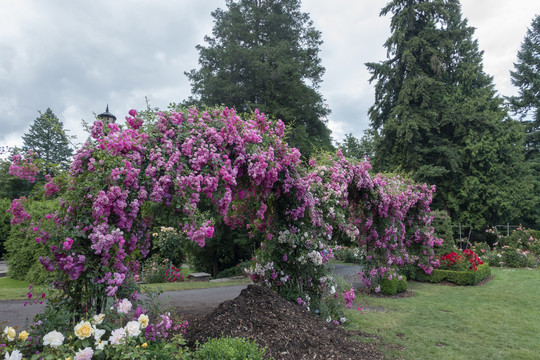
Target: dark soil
287	330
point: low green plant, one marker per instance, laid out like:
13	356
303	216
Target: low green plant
466	277
229	348
510	257
389	285
393	284
402	284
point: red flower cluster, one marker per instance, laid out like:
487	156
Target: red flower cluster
174	275
455	261
474	260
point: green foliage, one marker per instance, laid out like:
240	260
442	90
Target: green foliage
236	270
12	187
396	285
167	243
264	55
225	249
389	287
437	117
23	251
442	223
457	277
154	270
520	249
402	284
358	149
510	257
5	226
47	137
227	348
349	255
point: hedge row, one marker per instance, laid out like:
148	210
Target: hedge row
456	277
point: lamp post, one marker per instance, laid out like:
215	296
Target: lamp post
107	117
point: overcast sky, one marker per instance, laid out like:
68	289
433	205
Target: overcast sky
78	56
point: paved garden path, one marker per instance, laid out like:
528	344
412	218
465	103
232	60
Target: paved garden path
14	313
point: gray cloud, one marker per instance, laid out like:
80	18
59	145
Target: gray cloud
77	56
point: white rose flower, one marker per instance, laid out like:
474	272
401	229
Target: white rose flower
54	339
15	355
98	333
133	329
124	306
98	319
100	344
117	336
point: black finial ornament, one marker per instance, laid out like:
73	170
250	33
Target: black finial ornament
107	117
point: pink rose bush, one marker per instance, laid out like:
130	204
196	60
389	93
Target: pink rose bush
208	164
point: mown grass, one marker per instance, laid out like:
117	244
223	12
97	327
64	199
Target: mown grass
497	320
11	289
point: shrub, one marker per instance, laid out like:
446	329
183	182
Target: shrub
5	226
389	285
228	348
402	284
174	274
457	277
155	270
467	260
237	270
23	250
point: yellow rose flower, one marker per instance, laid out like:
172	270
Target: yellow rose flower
10	333
145	345
84	330
23	335
143	321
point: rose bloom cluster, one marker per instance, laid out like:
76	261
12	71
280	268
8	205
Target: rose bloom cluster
99	334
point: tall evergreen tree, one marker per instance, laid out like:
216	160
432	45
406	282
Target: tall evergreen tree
526	76
438	119
264	54
48	139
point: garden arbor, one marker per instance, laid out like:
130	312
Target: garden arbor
205	164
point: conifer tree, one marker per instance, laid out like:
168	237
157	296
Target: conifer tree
526	76
48	139
263	54
438	119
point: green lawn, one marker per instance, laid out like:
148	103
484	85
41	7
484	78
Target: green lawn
498	320
11	289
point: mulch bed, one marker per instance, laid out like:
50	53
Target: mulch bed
287	330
